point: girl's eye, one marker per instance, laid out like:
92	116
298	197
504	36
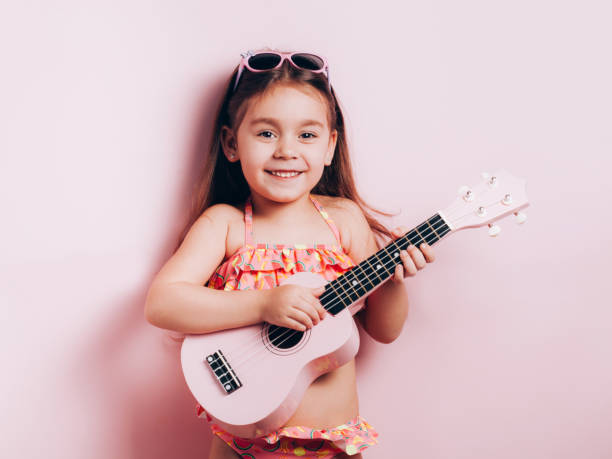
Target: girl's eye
263	134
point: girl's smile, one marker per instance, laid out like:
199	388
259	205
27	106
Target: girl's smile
284	174
283	143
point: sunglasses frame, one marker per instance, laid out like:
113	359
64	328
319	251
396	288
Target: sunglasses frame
244	62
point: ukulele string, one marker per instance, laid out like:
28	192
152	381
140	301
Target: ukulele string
251	358
289	332
249	342
248	360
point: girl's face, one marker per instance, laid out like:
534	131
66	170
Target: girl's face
283	143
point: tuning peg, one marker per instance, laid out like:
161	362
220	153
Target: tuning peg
520	217
485	175
465	193
463	190
494	230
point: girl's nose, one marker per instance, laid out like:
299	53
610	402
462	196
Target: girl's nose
285	150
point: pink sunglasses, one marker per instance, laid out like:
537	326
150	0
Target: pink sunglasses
261	61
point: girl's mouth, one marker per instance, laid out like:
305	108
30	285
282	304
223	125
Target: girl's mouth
284	174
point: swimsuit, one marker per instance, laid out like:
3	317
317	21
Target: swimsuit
262	266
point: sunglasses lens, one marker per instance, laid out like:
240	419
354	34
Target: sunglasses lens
264	61
308	61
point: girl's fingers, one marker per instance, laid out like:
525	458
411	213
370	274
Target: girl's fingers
425	248
294	324
413	258
321	310
417	257
399	273
307	311
409	265
303	318
428	252
318	306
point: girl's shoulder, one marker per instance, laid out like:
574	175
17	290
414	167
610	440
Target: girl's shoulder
344	212
357	236
231	219
202	249
222	213
343	208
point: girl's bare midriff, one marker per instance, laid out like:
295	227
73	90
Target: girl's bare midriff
329	401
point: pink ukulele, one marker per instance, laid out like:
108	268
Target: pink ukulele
250	380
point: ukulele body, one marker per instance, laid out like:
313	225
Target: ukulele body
269	368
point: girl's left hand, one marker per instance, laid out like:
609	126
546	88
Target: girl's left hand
413	259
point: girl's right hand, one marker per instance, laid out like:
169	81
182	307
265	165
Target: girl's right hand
293	306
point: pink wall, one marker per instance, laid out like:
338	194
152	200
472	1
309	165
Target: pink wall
506	352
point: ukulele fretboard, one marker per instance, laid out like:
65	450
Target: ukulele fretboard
379	267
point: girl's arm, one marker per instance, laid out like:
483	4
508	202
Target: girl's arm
177	298
189	308
387	307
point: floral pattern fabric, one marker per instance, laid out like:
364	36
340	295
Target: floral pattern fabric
301	441
260	266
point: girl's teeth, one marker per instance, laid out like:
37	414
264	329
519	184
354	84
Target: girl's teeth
284	174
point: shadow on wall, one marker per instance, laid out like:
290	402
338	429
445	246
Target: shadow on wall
133	372
132	369
165	424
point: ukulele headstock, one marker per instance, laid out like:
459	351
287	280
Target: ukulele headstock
493	198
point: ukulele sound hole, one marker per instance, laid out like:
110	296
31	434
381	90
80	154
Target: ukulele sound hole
282	340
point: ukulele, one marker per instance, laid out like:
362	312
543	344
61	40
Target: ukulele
250	380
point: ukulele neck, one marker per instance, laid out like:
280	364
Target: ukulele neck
372	272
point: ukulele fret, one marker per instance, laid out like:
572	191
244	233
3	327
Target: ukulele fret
349	287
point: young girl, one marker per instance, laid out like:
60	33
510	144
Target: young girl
278	172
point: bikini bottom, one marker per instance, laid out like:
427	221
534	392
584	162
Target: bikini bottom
301	441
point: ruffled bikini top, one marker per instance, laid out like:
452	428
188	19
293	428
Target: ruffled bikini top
261	266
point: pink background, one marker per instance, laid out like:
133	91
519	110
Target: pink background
506	352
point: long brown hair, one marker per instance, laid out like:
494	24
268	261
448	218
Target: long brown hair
221	181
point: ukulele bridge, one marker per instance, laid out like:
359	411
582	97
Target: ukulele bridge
223	371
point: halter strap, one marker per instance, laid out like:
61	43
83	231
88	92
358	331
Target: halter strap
248	220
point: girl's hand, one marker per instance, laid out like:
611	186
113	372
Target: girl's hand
413	259
293	306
